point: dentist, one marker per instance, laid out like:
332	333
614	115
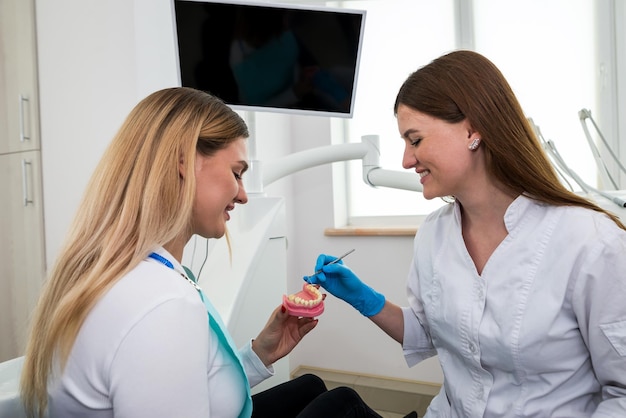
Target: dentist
518	285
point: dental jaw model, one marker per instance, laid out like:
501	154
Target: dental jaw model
308	302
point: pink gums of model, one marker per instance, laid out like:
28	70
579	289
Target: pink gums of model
308	302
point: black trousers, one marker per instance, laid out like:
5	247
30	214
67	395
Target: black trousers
308	397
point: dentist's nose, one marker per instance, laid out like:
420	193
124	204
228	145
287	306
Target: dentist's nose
409	160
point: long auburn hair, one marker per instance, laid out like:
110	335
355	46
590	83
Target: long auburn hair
136	201
465	85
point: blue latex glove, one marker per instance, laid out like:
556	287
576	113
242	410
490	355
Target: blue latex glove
341	282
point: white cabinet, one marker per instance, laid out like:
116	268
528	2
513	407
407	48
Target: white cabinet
21	247
19	113
22	261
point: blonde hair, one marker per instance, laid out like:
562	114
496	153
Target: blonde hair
466	85
135	202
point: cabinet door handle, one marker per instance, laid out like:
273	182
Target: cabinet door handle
25	193
23	121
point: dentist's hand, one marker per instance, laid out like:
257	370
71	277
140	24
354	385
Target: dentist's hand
341	282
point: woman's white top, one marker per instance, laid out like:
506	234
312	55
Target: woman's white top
540	333
145	350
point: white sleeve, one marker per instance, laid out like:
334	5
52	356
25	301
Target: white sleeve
254	367
416	344
598	301
160	368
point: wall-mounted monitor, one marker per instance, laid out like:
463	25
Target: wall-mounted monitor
271	57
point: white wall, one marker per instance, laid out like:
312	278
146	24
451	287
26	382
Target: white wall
92	72
87	86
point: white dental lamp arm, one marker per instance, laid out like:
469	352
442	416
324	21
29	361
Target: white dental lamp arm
583	115
558	160
367	150
551	148
379	177
292	163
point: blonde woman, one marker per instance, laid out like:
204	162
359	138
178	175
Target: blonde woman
518	286
122	329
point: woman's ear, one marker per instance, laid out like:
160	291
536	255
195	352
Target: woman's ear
472	133
469	129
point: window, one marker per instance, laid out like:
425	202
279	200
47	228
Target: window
400	36
545	49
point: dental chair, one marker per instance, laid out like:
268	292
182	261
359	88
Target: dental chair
10	403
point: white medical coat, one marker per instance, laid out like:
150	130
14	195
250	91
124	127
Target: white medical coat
540	333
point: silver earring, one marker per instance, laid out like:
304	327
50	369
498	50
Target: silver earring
473	146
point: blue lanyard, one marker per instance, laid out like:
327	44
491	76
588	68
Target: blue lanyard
161	259
187	276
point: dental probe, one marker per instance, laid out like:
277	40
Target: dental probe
336	260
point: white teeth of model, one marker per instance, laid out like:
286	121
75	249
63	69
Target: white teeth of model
314	290
309	303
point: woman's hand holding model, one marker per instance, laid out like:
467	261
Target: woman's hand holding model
280	335
341	282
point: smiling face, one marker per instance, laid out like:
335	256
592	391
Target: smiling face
219	187
438	151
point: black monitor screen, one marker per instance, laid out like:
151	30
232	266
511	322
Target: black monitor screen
270	57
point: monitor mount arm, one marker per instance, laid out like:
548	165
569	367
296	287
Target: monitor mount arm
368	151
